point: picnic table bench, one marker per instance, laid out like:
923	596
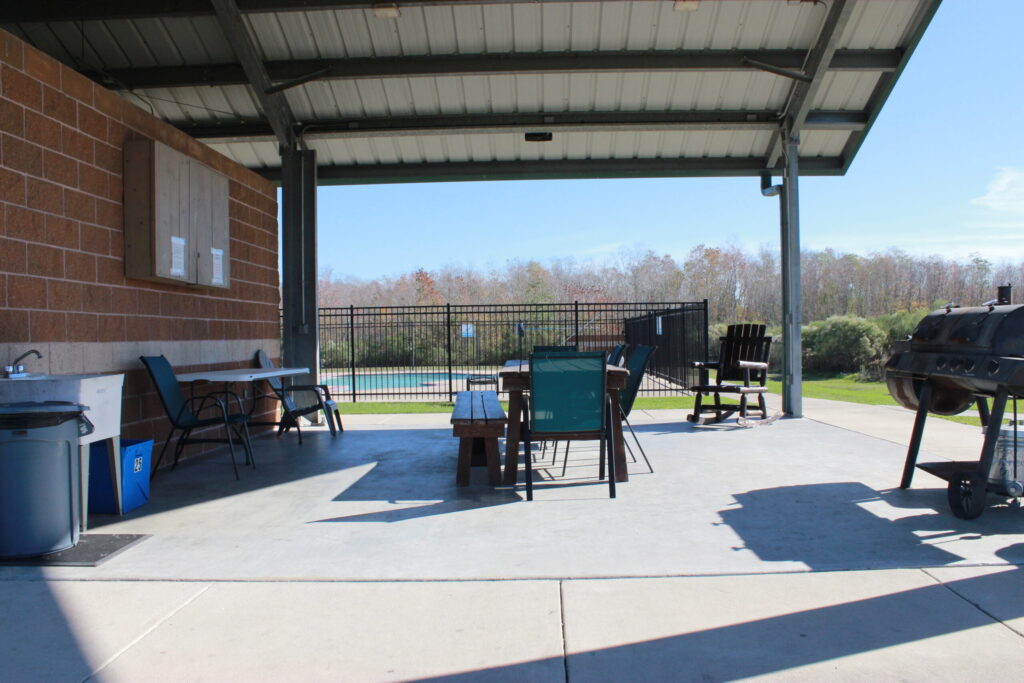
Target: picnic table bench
478	421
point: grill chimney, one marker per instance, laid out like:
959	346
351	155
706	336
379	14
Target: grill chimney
1004	295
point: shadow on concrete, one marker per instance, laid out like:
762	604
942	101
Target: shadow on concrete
36	640
280	460
788	641
830	526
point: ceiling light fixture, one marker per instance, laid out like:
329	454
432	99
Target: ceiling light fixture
387	10
685	5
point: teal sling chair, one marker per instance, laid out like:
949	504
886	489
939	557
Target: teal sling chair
568	400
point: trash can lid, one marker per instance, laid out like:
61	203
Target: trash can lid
28	414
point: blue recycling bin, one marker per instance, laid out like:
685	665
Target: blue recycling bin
135	463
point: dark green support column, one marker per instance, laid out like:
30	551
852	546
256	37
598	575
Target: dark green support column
300	330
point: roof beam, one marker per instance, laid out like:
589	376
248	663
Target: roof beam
564	122
461	65
554	169
274	105
802	94
77	10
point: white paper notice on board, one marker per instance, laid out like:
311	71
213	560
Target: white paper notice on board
178	256
218	266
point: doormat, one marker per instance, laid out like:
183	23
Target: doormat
92	550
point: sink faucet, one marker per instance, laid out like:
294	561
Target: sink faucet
25	355
14	368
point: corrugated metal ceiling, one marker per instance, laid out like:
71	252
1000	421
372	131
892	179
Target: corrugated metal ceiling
707	114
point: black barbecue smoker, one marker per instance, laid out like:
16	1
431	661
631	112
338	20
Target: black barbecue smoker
956	358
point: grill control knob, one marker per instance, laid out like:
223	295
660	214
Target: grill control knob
969	365
940	362
993	367
956	364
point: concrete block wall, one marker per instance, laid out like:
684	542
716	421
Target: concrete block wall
63	288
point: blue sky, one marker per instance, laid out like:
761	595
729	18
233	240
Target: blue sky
941	172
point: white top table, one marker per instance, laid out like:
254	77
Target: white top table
240	375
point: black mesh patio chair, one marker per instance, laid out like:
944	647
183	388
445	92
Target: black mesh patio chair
636	362
616	355
568	400
318	395
185	414
741	368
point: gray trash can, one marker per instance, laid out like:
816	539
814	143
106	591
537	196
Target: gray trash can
39	485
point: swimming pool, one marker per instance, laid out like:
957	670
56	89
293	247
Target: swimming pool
399	380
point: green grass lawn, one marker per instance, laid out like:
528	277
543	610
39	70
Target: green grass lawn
816	385
848	388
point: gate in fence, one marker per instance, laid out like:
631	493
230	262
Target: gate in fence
431	352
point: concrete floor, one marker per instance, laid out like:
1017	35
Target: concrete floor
784	552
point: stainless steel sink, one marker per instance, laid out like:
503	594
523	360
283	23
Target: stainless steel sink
102	393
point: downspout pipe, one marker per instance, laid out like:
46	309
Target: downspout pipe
767	189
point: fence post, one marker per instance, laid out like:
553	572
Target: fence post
448	344
352	348
707	342
576	317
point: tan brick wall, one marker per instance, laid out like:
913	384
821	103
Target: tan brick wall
62	283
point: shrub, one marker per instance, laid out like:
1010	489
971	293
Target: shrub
333	355
898	326
843	344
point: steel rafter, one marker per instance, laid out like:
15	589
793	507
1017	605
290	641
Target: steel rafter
274	105
554	169
454	65
802	94
566	122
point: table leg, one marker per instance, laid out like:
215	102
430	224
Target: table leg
515	413
113	445
83	487
621	473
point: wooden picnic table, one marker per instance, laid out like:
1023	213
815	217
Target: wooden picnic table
515	378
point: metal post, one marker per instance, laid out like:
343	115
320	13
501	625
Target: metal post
300	334
707	342
576	316
448	346
352	348
789	203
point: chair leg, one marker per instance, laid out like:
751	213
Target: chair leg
527	435
250	456
179	447
329	418
695	415
600	460
626	420
565	457
167	442
231	447
611	451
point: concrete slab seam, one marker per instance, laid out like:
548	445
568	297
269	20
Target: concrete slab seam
159	622
491	579
971	602
561	618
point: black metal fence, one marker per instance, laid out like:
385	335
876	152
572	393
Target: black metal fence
431	352
681	335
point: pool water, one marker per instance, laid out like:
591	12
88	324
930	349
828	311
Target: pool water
400	380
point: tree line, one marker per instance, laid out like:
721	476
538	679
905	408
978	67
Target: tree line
738	285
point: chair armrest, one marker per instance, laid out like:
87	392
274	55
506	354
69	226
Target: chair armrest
321	389
232	395
202	406
704	364
752	365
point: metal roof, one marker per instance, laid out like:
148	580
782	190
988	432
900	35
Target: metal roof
450	90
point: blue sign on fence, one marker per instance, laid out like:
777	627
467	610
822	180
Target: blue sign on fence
467	329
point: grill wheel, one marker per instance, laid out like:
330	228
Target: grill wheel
966	494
